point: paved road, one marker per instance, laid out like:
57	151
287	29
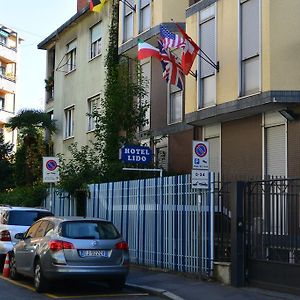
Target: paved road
23	290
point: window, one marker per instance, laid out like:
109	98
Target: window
92	105
3	37
128	21
96	38
212	135
25	217
90	230
2	103
250	75
208	45
146	70
145	15
2	70
175	105
32	230
69	122
71	56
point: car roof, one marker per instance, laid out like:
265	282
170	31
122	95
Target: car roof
8	207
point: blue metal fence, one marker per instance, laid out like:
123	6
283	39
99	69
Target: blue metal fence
166	222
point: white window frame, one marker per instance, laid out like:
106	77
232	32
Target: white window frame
71	55
96	42
204	16
69	122
241	61
127	17
144	8
92	103
173	91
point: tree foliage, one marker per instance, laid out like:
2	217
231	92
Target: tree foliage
6	170
31	125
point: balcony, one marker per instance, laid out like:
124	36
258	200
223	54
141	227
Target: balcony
7	83
7	54
5	116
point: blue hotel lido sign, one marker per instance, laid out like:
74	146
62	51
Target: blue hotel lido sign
136	154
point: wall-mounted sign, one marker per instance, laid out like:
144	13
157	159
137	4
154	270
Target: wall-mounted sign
50	169
136	154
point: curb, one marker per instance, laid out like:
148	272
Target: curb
155	291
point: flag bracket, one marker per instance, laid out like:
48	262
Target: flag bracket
132	7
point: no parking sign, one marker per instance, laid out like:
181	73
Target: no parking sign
50	169
200	155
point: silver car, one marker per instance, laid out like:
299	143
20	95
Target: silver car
56	248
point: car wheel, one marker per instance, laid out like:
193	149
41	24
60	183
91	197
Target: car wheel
117	285
40	282
2	259
13	273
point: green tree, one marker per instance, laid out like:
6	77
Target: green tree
5	164
31	125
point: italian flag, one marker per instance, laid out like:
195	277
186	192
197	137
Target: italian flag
146	50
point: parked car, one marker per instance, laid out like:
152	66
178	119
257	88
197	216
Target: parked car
14	219
56	248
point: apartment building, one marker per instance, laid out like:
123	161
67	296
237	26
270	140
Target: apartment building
75	74
248	110
171	138
9	42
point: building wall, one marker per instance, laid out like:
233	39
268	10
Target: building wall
86	81
158	95
190	81
227	50
180	154
284	44
241	148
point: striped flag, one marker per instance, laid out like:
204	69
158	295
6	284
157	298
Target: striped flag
97	5
171	40
146	50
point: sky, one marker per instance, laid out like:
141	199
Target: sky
33	20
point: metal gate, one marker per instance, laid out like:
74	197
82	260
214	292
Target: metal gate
272	227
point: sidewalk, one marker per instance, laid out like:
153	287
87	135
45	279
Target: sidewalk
179	287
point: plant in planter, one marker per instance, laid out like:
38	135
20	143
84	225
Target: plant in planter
49	84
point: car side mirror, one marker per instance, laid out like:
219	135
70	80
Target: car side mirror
19	236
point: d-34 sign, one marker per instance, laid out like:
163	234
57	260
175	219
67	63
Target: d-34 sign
136	154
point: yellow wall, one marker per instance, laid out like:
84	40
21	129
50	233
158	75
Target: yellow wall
265	45
285	45
227	50
190	81
85	82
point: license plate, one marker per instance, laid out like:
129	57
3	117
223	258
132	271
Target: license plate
93	253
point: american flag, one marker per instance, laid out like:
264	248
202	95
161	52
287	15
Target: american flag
172	71
171	40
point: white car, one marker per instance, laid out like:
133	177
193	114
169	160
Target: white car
14	219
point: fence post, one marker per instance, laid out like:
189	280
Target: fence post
237	235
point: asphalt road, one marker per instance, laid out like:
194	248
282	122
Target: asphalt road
23	290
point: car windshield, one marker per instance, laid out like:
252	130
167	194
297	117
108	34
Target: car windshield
90	230
26	217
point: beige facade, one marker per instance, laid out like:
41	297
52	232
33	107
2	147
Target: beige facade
9	41
76	57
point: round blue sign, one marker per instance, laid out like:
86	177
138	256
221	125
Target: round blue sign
51	165
201	150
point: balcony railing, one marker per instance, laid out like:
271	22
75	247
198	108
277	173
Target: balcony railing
7	83
8	54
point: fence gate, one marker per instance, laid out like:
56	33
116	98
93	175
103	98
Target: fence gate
272	215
